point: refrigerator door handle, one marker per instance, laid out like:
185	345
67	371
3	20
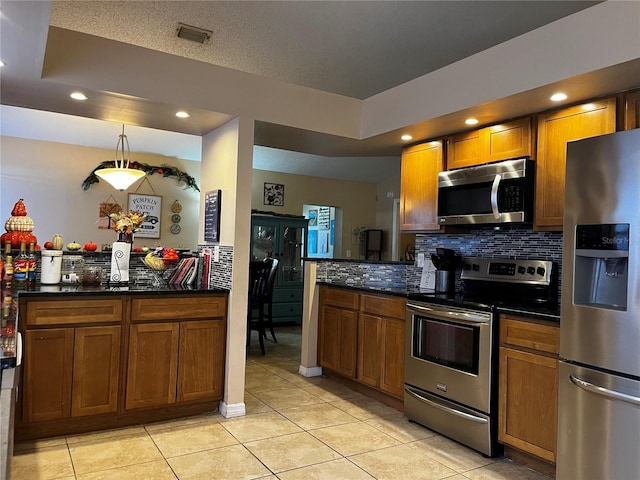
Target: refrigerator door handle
590	387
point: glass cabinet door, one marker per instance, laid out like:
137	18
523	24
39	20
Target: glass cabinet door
263	241
291	253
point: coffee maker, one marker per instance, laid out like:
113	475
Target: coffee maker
446	263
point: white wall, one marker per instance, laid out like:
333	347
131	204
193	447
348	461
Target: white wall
49	177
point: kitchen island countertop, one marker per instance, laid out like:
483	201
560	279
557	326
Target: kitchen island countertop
62	290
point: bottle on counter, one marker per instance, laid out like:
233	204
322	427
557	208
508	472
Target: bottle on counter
21	265
7	276
32	267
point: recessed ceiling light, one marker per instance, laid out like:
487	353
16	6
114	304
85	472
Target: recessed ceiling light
1	63
406	137
78	96
182	114
471	121
558	97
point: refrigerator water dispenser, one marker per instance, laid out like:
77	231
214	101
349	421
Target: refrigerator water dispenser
601	266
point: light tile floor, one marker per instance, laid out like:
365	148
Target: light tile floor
296	428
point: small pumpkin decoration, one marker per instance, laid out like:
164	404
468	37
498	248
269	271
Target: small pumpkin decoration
19	209
90	247
73	246
18	221
56	242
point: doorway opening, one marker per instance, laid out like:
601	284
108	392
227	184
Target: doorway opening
324	233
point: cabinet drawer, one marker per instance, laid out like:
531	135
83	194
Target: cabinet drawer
340	298
288	309
175	308
529	334
384	306
287	295
71	312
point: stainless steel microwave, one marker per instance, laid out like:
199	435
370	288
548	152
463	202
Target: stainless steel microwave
494	193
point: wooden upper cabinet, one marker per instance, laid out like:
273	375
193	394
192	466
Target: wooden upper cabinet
555	129
632	110
419	187
507	140
463	150
491	144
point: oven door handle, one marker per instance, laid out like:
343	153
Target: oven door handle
453	411
494	196
459	317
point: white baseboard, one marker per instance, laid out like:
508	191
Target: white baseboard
233	410
310	371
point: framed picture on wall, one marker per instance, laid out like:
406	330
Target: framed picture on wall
212	215
151	205
274	194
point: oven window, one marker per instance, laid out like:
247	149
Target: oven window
450	344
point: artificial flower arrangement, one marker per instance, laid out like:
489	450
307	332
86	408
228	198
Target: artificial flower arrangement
127	222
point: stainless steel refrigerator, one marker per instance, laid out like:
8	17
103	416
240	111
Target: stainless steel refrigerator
599	373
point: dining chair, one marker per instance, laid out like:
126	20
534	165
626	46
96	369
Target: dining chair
258	298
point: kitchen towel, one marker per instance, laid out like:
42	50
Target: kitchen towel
120	262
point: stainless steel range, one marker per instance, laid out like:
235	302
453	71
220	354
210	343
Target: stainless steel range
451	347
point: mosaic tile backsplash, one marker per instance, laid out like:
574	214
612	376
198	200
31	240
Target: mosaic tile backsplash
508	243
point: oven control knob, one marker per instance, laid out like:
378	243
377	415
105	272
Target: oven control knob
466	266
540	271
531	270
521	270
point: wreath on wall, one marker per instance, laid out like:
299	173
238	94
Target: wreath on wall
164	170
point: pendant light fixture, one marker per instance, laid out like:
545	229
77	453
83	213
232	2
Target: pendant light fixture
121	177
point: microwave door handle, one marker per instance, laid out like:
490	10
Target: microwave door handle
494	196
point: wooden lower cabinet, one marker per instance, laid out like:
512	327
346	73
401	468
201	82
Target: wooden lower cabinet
153	364
48	370
201	366
338	336
91	366
96	370
365	344
71	372
528	389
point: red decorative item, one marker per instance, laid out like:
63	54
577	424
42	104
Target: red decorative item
160	171
90	247
16	237
19	209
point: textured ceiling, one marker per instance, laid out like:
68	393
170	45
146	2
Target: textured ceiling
352	48
279	57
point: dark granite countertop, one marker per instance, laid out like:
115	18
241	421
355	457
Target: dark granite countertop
357	260
112	289
546	312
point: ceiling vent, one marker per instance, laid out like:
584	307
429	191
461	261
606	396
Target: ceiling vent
195	34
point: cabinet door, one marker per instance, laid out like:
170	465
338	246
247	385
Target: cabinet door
419	187
339	340
265	237
528	408
507	140
292	247
392	352
555	129
201	370
96	370
632	110
153	364
48	367
464	150
369	354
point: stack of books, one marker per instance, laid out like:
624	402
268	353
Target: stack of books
185	273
